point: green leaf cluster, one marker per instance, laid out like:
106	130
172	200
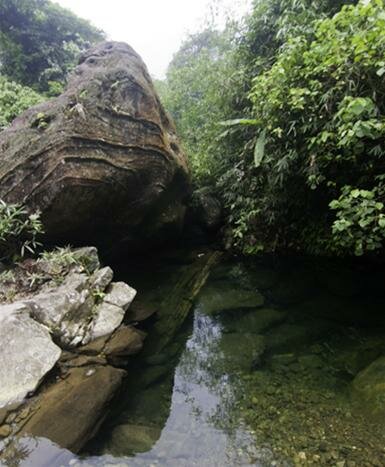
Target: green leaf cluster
360	219
19	230
322	107
14	99
40	42
199	78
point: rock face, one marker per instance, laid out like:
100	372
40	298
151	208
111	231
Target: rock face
101	161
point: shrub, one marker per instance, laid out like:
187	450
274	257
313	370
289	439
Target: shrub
14	99
320	125
18	231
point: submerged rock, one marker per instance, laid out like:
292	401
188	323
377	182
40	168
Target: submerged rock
129	439
369	387
176	305
124	342
102	161
240	351
222	297
255	321
27	353
289	336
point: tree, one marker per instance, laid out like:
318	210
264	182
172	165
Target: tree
319	117
198	79
39	42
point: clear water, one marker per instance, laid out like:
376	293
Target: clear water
245	385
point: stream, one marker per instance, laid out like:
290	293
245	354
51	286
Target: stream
260	373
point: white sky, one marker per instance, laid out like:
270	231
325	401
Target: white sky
154	28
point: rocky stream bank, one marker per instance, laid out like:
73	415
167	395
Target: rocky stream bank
65	341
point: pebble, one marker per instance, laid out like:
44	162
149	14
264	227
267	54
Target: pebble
302	456
5	431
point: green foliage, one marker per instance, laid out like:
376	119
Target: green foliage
321	105
360	223
319	113
61	256
14	99
280	112
18	231
62	259
199	77
39	42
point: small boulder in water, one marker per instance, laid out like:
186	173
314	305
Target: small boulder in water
369	387
222	297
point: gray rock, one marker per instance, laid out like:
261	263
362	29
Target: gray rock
57	304
51	308
27	353
74	281
107	318
65	311
120	294
69	310
88	257
102	278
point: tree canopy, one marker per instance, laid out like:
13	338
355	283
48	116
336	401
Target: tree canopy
39	42
284	113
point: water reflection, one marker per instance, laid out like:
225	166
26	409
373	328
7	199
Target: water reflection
201	396
263	379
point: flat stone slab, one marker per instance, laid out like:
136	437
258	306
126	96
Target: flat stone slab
120	294
71	410
27	353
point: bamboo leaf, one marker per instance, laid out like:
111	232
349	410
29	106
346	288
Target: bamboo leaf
239	121
259	150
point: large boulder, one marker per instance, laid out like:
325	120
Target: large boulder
102	160
206	209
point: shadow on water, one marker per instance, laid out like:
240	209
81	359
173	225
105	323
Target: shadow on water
260	374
